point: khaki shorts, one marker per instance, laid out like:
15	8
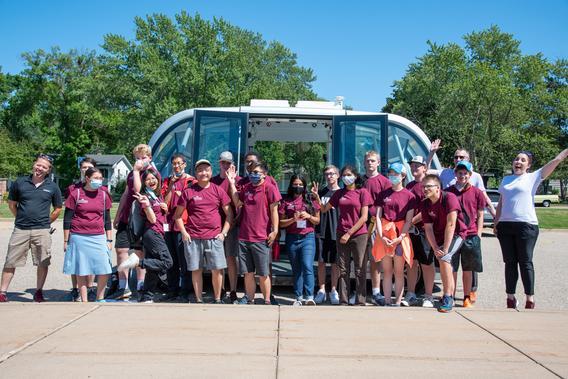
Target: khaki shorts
22	241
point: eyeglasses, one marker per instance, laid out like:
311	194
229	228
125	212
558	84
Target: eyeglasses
430	186
460	157
46	157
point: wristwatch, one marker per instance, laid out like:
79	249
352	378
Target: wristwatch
109	240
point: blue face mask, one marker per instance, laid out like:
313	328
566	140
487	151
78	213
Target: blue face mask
151	195
395	179
255	178
178	174
96	184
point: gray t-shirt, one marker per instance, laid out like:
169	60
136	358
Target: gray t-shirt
448	178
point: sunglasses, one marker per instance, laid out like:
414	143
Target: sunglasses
46	157
430	186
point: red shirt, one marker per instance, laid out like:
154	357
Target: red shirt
225	185
255	220
289	206
375	185
395	205
473	201
203	205
349	203
88	207
418	190
158	226
177	189
129	198
436	214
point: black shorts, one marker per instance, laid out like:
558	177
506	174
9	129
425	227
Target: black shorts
422	252
326	250
470	253
124	240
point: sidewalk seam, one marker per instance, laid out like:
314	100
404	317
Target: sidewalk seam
278	344
10	354
510	345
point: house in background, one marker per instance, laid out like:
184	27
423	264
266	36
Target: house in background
113	167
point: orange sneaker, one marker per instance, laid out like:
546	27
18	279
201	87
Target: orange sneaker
467	303
473	297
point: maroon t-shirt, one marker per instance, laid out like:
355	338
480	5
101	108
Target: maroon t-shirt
203	204
291	205
418	191
129	198
436	214
225	185
255	219
88	207
395	204
177	189
246	180
349	203
375	186
158	226
473	200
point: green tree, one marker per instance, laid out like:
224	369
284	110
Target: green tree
487	97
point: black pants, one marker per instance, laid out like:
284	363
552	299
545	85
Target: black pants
517	240
157	260
179	265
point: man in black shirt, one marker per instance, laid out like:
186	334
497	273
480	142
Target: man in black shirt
30	200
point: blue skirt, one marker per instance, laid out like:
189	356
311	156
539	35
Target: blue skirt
87	254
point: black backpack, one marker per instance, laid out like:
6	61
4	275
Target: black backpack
136	221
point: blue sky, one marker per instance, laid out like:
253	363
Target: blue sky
356	48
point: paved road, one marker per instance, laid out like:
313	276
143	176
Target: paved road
550	261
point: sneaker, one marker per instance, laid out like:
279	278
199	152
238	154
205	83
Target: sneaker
273	300
245	300
395	305
352	298
320	297
529	304
428	302
467	303
409	300
512	303
169	297
310	302
74	295
183	298
297	303
120	294
233	297
447	304
217	301
100	301
378	300
334	297
3	297
38	296
473	296
129	263
92	294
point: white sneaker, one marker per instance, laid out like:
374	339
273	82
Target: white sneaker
320	297
428	302
409	299
334	297
352	299
297	303
129	263
310	302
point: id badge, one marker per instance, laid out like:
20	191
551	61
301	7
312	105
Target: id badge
166	227
301	224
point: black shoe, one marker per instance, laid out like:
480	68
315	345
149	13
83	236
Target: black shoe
120	294
92	294
169	297
273	300
74	295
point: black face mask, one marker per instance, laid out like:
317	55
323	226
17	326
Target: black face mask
298	190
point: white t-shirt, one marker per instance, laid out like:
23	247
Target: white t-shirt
517	197
448	178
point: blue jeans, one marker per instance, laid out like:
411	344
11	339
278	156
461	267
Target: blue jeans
302	250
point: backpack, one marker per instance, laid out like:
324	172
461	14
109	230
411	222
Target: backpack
136	221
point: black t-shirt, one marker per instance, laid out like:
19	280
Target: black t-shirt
34	203
328	221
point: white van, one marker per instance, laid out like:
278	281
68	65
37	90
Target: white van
205	132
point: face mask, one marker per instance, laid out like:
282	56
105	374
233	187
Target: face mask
255	178
96	184
348	179
151	195
178	174
394	179
144	163
298	190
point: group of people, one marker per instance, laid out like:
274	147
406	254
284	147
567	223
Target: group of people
178	226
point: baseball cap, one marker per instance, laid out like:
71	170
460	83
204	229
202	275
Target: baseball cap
226	156
464	164
202	161
417	159
398	168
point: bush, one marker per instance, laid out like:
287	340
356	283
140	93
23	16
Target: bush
118	189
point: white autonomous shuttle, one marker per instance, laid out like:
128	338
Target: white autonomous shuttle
206	132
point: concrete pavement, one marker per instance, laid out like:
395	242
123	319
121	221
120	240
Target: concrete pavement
209	341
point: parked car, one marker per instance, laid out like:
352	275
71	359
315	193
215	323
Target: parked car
546	200
494	196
